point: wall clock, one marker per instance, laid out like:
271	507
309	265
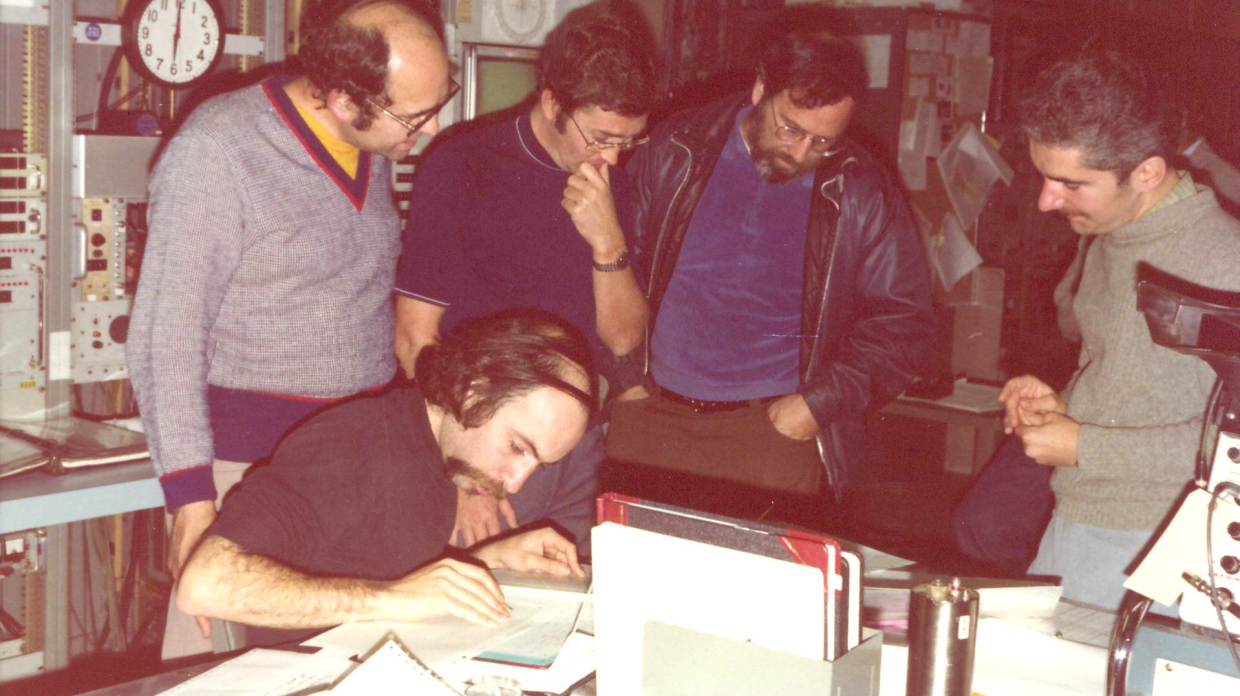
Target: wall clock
521	19
174	43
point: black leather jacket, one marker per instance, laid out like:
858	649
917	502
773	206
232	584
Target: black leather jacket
865	308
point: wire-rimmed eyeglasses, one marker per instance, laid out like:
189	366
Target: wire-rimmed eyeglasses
790	134
424	116
601	146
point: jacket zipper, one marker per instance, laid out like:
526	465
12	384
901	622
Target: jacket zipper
819	442
822	308
667	216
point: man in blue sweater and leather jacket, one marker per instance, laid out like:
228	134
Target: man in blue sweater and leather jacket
787	288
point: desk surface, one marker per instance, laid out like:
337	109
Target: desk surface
966	397
37	499
159	683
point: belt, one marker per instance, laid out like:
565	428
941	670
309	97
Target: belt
701	406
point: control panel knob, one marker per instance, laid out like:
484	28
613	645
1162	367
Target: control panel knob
118	330
1230	564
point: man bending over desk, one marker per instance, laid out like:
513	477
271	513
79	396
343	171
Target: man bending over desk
349	520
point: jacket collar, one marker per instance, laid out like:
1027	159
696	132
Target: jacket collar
709	128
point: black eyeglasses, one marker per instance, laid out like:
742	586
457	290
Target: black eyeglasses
600	146
415	126
789	134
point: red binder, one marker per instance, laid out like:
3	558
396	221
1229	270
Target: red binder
792	545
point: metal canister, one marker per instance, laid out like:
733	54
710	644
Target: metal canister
942	636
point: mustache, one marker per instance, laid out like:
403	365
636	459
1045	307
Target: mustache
455	466
768	163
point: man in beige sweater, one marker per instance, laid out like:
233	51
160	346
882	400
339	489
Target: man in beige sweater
1122	438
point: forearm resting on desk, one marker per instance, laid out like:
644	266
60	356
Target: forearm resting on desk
222	580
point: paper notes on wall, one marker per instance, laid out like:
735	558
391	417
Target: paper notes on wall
946	81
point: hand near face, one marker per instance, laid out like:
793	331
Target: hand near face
792	418
1053	441
1026	401
478	517
588	200
541	550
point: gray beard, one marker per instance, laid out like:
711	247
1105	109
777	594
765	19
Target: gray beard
765	160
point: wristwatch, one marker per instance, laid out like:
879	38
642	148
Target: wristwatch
618	265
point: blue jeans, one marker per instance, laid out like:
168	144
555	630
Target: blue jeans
1000	520
1092	562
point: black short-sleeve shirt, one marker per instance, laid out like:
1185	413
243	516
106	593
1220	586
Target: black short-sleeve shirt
358	490
487	231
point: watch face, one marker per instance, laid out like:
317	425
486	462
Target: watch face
521	18
176	41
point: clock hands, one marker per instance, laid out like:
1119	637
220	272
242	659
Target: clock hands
176	36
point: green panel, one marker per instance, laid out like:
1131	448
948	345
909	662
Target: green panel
502	83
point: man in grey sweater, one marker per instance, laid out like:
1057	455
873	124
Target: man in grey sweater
1121	440
266	282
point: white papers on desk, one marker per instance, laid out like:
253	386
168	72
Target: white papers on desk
641	575
1019	662
261	672
441	642
541	619
391	669
1078	623
550	617
574	662
1014	661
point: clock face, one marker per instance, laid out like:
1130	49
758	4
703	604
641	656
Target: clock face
175	42
521	19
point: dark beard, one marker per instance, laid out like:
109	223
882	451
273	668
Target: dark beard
454	466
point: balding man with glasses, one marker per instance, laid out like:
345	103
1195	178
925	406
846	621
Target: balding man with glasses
532	211
266	282
788	291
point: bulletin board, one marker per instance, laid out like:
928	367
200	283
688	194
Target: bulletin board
946	85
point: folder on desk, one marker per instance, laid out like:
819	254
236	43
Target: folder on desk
841	572
66	443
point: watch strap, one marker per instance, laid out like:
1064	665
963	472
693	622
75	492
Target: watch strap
619	264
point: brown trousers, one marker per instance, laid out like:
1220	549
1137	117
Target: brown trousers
740	445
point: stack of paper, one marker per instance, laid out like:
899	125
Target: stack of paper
391	668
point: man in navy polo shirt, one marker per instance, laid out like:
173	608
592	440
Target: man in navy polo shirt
531	212
787	288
